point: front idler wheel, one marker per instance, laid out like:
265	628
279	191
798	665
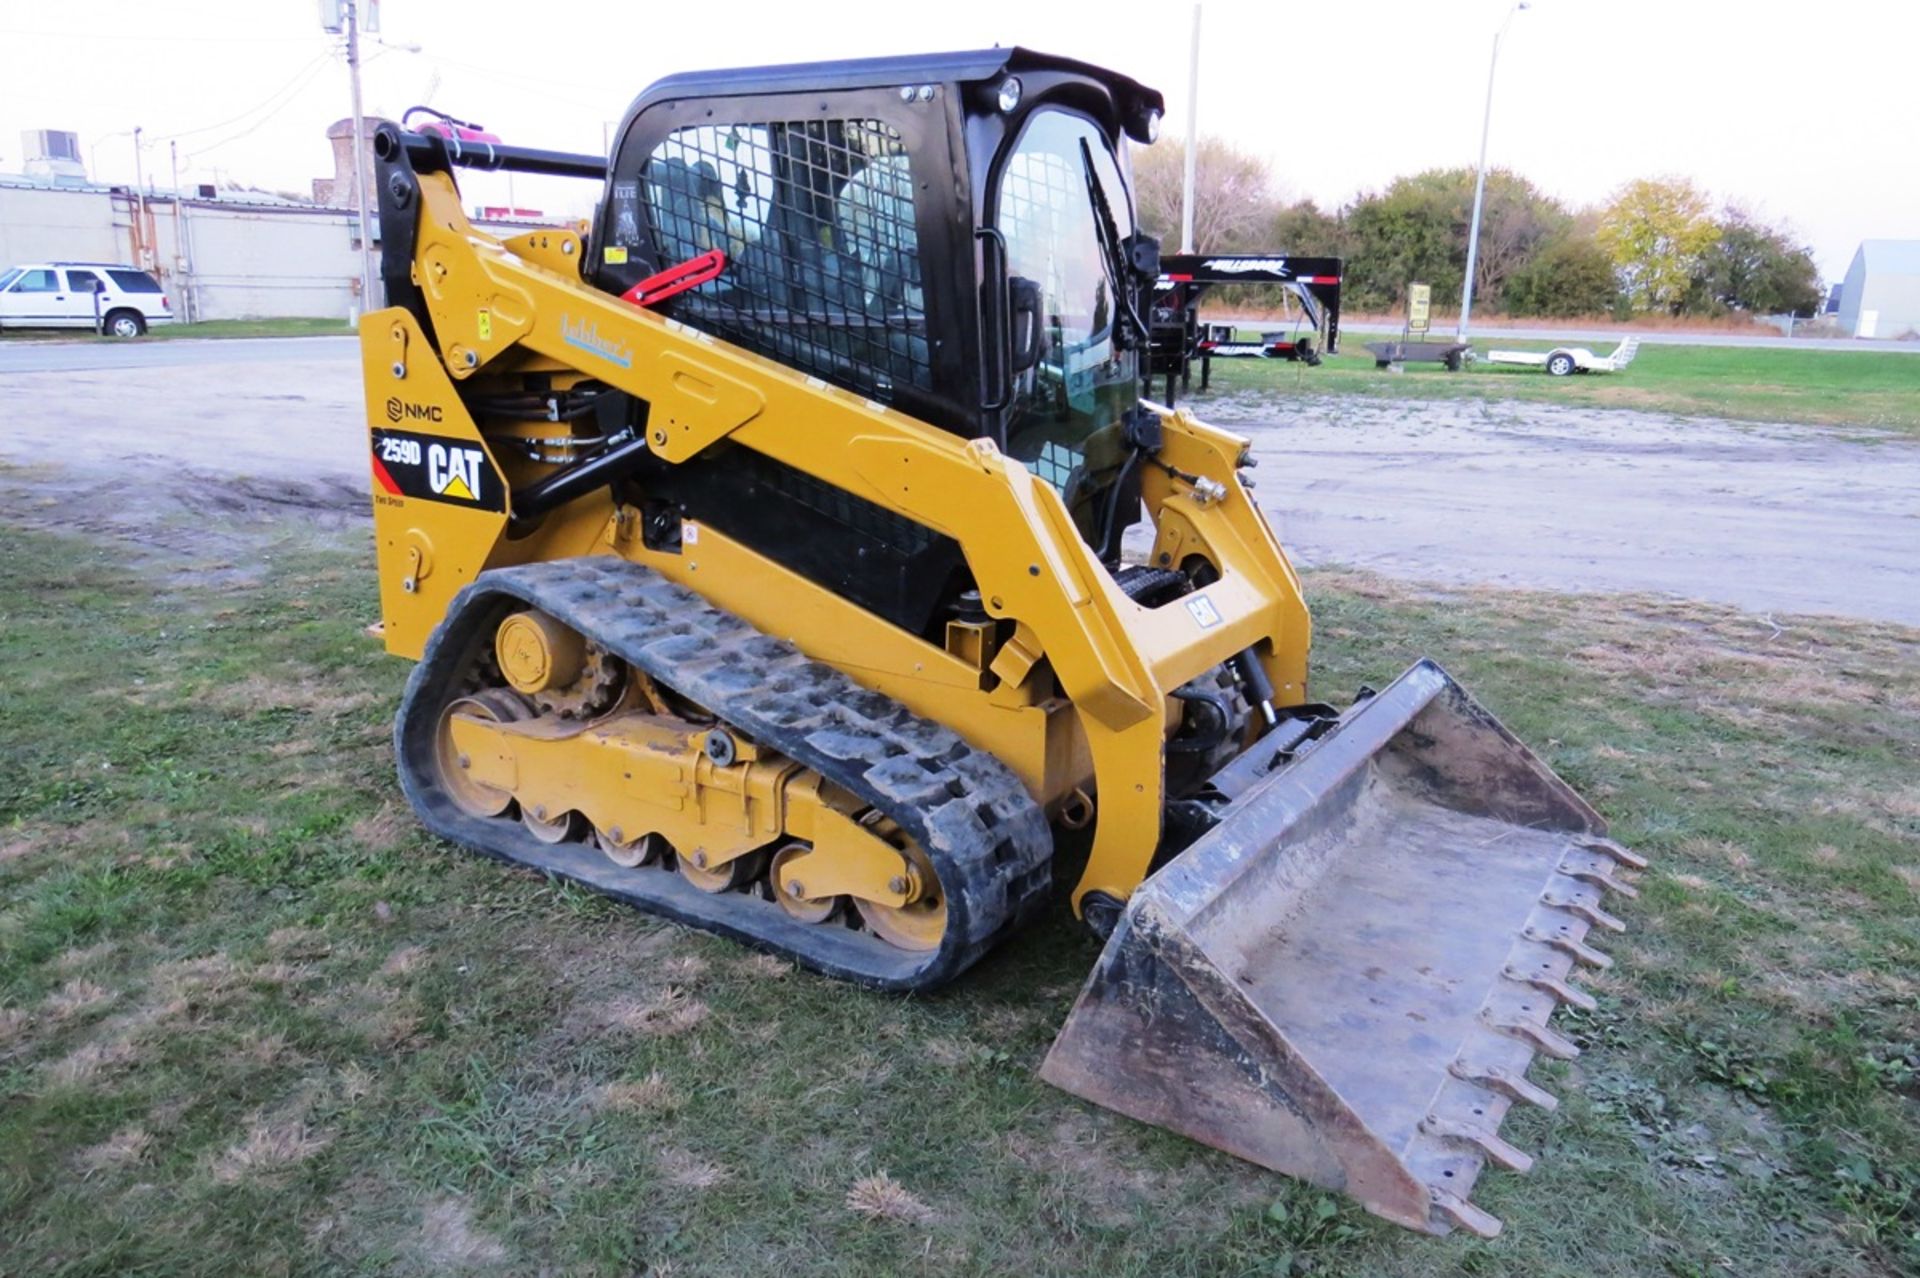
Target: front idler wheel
921	922
496	705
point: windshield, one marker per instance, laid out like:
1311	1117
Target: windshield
1068	409
8	276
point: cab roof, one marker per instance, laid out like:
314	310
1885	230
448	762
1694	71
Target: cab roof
1132	97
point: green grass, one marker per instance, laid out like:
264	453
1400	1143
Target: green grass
293	327
1875	389
252	1021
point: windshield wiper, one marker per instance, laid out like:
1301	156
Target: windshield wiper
1112	254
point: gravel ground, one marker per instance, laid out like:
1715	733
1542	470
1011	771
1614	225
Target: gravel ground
1767	517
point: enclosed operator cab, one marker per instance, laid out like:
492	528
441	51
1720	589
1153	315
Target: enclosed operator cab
951	235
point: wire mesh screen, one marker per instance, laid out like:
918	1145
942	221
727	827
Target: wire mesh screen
816	218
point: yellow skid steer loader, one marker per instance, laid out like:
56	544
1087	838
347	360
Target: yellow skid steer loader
759	544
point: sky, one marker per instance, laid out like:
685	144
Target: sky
1803	113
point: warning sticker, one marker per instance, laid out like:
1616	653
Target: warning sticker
616	255
1203	611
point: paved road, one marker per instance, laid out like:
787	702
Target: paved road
148	438
1487	337
60	356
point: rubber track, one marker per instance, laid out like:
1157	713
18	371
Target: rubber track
989	842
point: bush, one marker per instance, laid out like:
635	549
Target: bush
1571	276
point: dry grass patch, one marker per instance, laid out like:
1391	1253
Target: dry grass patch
299	941
88	1062
354	1081
952	1053
403	960
449	1239
134	1025
265	1049
690	1171
396	1026
268	1151
649	1095
87	956
124	1148
382	828
209	978
1717	852
764	966
881	1197
75	997
261	692
672	1012
685	968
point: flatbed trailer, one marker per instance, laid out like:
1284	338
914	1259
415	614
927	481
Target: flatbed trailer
1179	339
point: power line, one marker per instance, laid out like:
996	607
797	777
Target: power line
292	92
270	98
156	37
517	80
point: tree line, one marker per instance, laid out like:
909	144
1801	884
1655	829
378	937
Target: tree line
1658	245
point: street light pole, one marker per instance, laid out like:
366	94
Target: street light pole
359	157
1480	179
1193	136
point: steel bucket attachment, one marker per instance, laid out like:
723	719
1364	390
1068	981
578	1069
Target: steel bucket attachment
1346	979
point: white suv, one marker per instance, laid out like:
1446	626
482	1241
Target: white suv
61	295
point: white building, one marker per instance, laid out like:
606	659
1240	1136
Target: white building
221	254
1881	295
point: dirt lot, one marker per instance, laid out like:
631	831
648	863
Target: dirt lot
1765	517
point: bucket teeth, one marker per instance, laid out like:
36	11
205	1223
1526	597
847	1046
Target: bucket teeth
1513	1086
1598	876
1461	1214
1559	989
1607	847
1539	1037
1497	1151
1567	945
1593	914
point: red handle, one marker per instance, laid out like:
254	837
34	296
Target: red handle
675	280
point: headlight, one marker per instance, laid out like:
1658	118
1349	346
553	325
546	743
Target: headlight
1153	127
1009	93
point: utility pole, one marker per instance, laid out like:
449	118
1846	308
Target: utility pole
179	239
359	156
140	246
1480	179
1193	136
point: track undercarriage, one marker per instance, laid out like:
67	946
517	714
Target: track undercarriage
590	719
